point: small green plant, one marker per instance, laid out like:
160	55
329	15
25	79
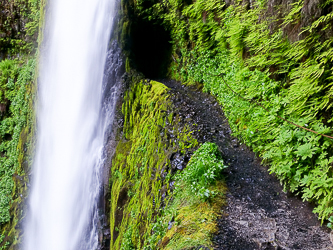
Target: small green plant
127	243
189	218
329	224
202	171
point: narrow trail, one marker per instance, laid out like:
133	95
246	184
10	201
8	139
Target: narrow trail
259	215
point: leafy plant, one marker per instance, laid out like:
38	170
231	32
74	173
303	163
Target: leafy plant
189	218
15	84
202	171
329	224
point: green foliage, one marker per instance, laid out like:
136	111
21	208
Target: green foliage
127	243
272	58
15	84
329	225
141	162
5	245
190	213
201	172
17	95
301	159
138	178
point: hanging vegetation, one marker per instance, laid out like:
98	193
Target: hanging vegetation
277	55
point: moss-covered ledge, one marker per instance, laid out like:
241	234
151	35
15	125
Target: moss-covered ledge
144	175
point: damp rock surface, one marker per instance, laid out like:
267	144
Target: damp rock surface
259	215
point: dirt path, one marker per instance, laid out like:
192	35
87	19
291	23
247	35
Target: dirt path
259	214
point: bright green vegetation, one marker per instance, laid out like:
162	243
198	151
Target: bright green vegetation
329	224
194	205
201	172
15	140
142	156
282	58
301	159
17	95
142	203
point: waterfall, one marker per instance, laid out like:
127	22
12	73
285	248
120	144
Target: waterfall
74	111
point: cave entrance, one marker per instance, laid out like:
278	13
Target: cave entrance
151	48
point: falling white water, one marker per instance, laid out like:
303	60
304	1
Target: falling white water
65	179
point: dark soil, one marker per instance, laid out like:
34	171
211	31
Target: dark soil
259	214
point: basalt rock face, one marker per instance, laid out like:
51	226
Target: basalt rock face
14	16
113	92
310	11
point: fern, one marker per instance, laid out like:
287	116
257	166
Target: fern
210	37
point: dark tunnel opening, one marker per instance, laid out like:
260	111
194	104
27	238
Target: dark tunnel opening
151	49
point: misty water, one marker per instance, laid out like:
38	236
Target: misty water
71	122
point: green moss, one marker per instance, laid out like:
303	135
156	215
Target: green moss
195	221
135	162
142	156
125	31
127	65
141	173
